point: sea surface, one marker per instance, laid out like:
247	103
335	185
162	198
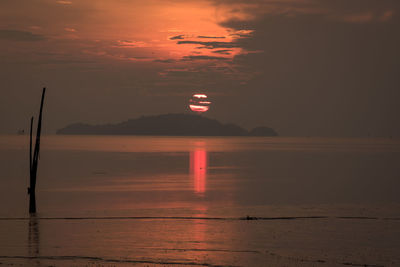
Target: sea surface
201	201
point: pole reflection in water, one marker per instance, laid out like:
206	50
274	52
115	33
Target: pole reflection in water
198	168
34	239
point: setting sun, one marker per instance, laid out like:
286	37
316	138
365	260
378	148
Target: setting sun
199	103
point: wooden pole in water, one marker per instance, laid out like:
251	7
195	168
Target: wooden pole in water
30	147
34	159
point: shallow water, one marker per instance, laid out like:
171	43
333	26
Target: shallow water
183	200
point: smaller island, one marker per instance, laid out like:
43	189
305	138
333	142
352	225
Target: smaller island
168	125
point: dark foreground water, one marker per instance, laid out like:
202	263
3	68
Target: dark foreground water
187	201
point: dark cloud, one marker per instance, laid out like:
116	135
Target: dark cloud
313	75
211	45
211	37
223	51
351	11
190	58
177	37
165	60
22	36
358	5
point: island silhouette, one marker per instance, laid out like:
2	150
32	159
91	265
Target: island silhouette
167	124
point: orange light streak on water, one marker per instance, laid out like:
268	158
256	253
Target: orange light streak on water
198	169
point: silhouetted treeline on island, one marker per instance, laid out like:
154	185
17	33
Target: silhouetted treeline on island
168	124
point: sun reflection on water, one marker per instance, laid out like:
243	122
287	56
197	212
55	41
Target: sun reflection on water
198	168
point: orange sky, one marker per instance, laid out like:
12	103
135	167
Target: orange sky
155	30
268	59
130	30
145	30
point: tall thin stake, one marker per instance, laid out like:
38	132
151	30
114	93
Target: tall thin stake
35	160
30	147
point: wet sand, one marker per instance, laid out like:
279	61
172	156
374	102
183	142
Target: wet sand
203	242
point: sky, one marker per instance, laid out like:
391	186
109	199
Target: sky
302	67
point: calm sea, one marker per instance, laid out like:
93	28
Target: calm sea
181	200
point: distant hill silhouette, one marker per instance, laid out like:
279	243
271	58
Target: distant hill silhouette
168	124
